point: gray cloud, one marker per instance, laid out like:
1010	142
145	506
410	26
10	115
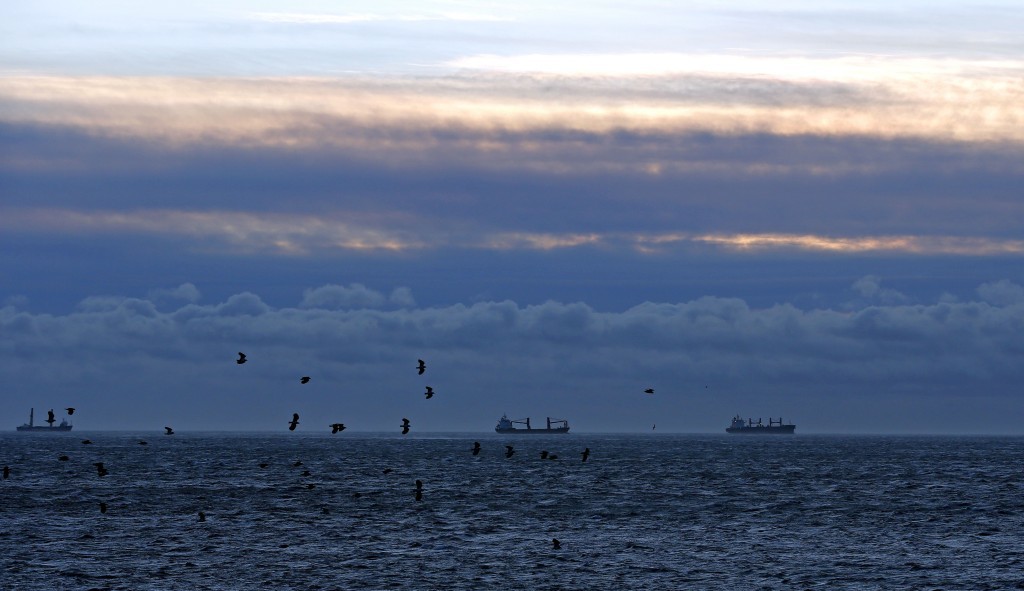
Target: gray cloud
493	356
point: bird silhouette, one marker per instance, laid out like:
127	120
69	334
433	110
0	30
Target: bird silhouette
307	473
100	469
649	391
476	448
304	379
7	472
86	442
552	457
429	393
419	490
202	516
103	507
241	358
297	463
386	470
63	458
509	451
49	417
337	427
586	454
544	455
555	544
263	464
143	442
168	431
405	426
70	410
294	422
422	367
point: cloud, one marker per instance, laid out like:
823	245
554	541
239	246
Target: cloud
870	287
339	297
1002	293
305	18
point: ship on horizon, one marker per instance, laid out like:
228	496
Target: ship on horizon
31	426
751	428
507	425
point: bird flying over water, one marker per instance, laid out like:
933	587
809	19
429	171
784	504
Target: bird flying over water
476	448
304	379
429	393
49	417
70	410
422	367
405	426
241	358
294	422
649	391
509	451
337	427
168	431
555	544
586	454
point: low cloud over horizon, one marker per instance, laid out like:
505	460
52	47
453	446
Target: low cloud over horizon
136	363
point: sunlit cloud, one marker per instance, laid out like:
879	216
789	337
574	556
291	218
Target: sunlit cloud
310	235
923	245
940	101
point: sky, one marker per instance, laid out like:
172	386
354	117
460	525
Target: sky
812	210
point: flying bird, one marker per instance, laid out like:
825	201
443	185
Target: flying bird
337	427
585	453
71	410
649	391
509	451
294	422
304	379
555	544
49	417
168	431
476	448
429	393
241	358
405	426
422	367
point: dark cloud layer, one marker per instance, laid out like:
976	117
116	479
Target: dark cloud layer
139	363
553	181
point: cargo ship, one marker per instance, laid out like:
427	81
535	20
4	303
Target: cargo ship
751	428
31	426
507	425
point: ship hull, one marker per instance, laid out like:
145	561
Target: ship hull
532	431
783	430
37	428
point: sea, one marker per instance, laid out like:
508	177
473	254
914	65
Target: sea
315	511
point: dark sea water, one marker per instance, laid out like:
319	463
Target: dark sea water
644	512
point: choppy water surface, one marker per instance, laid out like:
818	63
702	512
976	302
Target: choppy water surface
645	512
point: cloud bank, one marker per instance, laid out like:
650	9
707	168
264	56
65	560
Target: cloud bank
704	357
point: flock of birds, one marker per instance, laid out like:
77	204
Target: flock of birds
421	367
